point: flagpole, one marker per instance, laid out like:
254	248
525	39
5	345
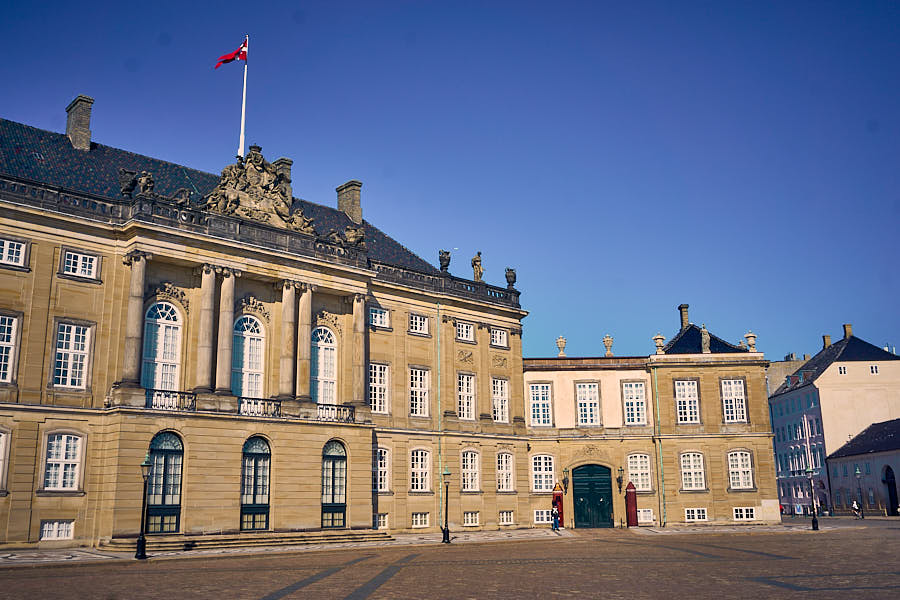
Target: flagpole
244	96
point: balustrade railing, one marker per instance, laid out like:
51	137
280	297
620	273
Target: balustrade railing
259	407
171	400
335	412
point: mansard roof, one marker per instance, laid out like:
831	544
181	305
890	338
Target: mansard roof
689	341
47	157
877	437
849	349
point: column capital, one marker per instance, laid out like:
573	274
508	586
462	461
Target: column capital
205	269
228	271
302	286
135	256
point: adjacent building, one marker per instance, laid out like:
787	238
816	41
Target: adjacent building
865	469
832	397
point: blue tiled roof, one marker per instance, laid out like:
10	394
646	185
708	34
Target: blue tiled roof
49	158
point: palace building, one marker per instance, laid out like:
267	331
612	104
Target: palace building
288	369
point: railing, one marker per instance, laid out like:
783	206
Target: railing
171	400
259	407
335	412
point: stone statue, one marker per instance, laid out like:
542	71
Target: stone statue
145	182
510	278
477	269
704	340
335	238
297	221
127	182
355	236
444	259
182	197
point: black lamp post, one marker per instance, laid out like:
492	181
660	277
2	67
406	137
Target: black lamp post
620	478
862	515
446	528
812	499
141	552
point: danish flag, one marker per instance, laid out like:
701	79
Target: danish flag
239	54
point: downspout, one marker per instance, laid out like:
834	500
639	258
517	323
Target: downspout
661	481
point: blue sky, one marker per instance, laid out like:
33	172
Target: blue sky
624	157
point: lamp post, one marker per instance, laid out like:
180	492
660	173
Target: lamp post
141	551
812	499
620	478
565	480
862	515
446	529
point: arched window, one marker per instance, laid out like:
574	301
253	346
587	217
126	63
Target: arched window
740	470
334	484
62	470
247	358
420	471
323	366
164	486
542	473
469	462
693	476
162	348
505	472
255	484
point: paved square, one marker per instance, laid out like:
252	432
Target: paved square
851	560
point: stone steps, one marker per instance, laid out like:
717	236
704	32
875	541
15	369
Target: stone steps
159	543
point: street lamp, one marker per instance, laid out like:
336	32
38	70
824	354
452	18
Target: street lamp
446	530
141	552
620	478
812	499
862	515
565	480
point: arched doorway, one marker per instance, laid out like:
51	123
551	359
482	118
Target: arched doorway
334	485
592	496
164	487
890	483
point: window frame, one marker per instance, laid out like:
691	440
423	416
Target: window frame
417	516
254	508
91	327
469	521
158	360
423	485
703	487
506	474
500	399
743	399
678	419
647	473
421	394
540	475
466	399
382	476
317	381
14	345
873	369
696	518
748	513
380	391
5	445
503	338
425	321
470	474
741	470
384	317
78	479
595	402
531	404
502	513
625	401
25	254
470	339
94	277
241	369
544	514
70	529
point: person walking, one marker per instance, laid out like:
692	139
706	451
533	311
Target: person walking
855	508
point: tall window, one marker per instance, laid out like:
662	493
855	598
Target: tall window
162	347
418	392
70	365
734	403
687	401
639	471
12	252
334	484
63	466
255	484
465	395
323	367
469	461
504	472
740	470
4	442
588	398
542	473
8	326
500	400
247	358
692	475
635	403
378	387
164	485
382	470
419	471
540	404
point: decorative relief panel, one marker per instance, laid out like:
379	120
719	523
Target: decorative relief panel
465	356
251	304
168	291
498	361
328	319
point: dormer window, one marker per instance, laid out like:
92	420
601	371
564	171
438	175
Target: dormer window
842	370
873	369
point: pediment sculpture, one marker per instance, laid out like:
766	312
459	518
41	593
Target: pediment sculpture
255	189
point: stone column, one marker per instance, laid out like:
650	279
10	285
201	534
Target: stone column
304	331
205	331
134	324
359	350
288	343
226	327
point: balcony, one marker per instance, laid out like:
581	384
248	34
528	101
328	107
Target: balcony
259	407
335	412
171	400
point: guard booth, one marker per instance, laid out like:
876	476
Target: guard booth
558	502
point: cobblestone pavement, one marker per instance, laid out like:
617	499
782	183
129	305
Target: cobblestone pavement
859	561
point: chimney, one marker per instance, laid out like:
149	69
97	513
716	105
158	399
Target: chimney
683	309
826	341
283	168
78	122
848	330
348	200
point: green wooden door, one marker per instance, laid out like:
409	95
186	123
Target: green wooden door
592	496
